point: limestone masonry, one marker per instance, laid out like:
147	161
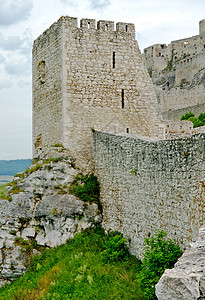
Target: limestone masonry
148	185
90	78
178	72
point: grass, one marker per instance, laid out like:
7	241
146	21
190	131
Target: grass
77	270
3	191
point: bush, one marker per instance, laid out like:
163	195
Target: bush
187	116
115	249
160	254
200	121
86	188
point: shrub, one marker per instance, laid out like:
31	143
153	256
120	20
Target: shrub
200	121
187	116
115	249
160	254
86	188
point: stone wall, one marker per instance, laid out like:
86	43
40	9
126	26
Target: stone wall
47	88
175	114
148	185
177	71
104	85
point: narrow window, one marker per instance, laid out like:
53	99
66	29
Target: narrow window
113	60
106	27
123	100
126	28
127	130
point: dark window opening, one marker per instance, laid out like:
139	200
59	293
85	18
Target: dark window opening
127	130
123	100
113	60
126	27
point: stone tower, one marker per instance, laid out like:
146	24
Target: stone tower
202	27
90	78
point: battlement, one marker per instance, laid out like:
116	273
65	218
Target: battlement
86	76
71	23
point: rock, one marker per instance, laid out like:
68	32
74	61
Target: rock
186	281
42	213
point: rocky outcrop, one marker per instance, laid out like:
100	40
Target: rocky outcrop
186	281
41	213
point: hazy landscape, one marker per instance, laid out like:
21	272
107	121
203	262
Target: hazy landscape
8	168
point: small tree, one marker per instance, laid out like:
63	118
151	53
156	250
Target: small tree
160	254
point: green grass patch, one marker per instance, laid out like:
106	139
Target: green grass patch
77	270
3	191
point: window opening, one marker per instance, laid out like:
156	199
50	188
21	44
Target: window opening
106	27
113	60
126	28
123	100
127	130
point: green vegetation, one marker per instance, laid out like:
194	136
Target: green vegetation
86	188
3	191
14	189
115	249
11	167
37	166
189	116
93	265
160	254
77	270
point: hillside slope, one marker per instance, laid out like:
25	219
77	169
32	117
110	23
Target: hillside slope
77	270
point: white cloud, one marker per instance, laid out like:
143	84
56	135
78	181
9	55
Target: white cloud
99	4
13	12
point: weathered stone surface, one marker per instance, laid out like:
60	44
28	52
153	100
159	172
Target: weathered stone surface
94	77
186	281
40	212
148	185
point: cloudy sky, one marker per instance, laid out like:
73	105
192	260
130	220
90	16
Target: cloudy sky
22	21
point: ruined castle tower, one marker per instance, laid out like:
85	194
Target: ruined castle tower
90	78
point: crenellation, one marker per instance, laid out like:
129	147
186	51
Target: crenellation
125	27
103	25
88	23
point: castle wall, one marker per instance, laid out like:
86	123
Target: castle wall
177	98
105	85
176	69
175	115
148	185
47	87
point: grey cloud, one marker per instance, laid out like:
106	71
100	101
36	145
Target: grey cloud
99	4
10	43
69	3
15	43
13	12
18	68
2	59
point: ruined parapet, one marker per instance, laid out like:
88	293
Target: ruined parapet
177	129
